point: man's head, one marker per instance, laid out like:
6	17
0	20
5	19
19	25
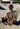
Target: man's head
11	7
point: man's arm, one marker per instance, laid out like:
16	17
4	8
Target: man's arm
16	13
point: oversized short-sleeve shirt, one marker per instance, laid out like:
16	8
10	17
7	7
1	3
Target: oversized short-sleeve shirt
12	14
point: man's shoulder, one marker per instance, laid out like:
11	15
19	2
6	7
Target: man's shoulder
8	12
11	12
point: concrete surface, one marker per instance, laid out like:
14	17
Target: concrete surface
2	26
3	13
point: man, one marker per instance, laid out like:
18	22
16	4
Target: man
11	16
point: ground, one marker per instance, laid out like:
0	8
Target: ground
2	26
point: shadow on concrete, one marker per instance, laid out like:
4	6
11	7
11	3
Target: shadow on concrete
1	8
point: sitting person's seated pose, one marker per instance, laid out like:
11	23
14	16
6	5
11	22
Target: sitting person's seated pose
11	16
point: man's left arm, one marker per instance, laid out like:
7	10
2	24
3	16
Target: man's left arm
16	14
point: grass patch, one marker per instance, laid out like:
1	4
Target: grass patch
18	1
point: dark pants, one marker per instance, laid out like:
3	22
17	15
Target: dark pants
4	20
17	23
